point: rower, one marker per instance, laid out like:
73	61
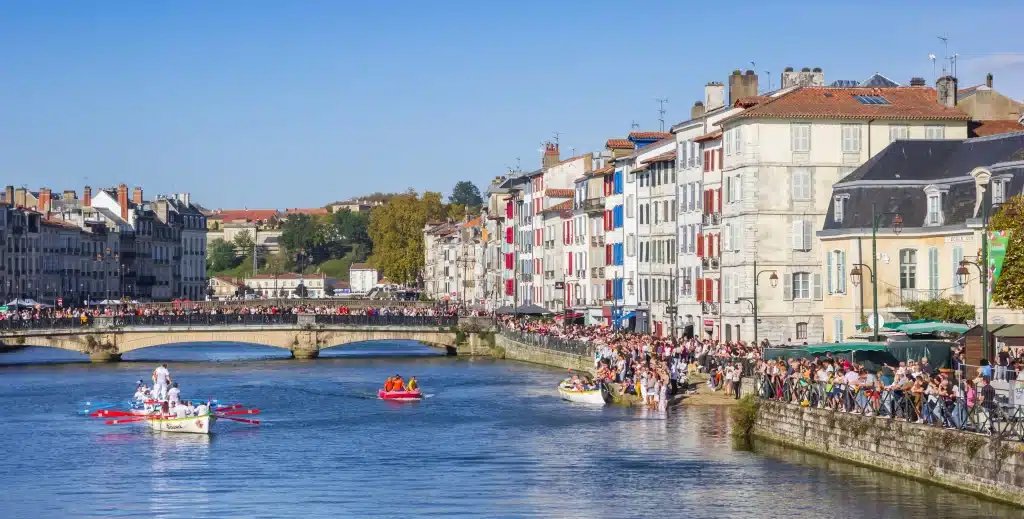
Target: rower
189	409
180	411
412	386
174	395
140	392
202	409
398	383
161	378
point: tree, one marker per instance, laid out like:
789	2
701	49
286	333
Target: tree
244	243
466	193
433	208
301	291
396	229
221	256
1009	290
946	310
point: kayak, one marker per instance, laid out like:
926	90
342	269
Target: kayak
399	395
188	424
597	396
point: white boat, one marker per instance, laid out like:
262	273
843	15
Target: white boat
188	424
597	396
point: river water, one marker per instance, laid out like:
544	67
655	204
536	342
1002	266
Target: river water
491	440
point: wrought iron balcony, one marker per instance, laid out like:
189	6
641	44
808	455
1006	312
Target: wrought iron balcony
709	308
712	218
593	204
712	263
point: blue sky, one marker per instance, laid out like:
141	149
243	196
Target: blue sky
286	104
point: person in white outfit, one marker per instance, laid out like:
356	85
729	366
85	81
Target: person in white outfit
174	395
202	409
161	380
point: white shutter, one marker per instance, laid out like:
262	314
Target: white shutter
737	140
798	229
787	287
726	290
828	269
726	192
807	234
817	286
841	273
737	237
933	272
726	243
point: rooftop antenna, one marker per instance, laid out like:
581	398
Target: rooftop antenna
945	52
932	57
557	134
661	111
519	166
768	75
952	64
633	125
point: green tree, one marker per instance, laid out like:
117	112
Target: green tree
946	310
433	207
220	256
396	229
1009	291
467	194
244	243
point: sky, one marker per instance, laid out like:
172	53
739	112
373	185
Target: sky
276	104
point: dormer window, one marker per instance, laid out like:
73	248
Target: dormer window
998	191
934	214
839	208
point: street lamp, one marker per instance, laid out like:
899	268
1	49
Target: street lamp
856	275
773	279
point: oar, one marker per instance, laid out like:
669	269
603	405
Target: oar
243	411
255	422
228	408
129	420
102	413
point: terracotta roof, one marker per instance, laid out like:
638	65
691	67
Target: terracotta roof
709	136
749	101
983	128
607	170
472	223
664	157
648	136
60	223
311	212
560	193
618	144
361	266
244	215
559	207
640	168
903	103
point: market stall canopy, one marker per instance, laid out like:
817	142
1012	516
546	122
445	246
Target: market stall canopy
505	310
933	327
27	303
872	354
532	310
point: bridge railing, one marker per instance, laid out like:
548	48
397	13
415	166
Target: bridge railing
387	320
585	349
46	324
204	320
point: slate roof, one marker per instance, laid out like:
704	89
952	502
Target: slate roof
895	179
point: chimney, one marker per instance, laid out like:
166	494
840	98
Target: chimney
137	195
551	155
45	195
122	200
988	80
714	96
69	195
9	195
697	111
917	82
20	197
742	85
945	88
87	197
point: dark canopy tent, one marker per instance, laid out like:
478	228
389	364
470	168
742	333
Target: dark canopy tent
531	310
872	354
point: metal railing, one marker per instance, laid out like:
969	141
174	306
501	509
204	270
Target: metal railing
569	346
47	323
202	320
988	418
387	320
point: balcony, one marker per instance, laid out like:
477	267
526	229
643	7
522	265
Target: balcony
592	205
526	277
900	297
597	241
712	218
712	263
709	308
582	273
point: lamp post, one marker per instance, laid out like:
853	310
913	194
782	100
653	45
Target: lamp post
774	280
982	177
855	274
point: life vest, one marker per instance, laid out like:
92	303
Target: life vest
398	384
388	385
411	386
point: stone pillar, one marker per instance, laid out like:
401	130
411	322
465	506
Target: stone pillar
104	356
305	346
304	354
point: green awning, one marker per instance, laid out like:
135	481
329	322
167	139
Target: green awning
815	349
933	327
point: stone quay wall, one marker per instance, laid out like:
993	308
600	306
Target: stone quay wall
513	350
963	461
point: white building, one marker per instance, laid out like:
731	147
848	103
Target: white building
362	278
650	221
286	286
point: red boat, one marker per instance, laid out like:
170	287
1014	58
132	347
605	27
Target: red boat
400	395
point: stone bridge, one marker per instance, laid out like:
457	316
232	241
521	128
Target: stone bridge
106	339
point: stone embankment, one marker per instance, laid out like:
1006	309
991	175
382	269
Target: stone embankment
507	348
963	461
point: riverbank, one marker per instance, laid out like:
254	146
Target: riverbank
962	461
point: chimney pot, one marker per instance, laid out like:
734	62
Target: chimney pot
43	203
137	196
741	86
87	197
788	69
945	90
917	82
988	80
122	200
697	111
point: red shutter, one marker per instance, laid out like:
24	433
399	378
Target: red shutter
721	160
719	191
608	254
711	245
508	235
508	261
568	295
700	289
570	263
608	289
700	246
708	293
510	287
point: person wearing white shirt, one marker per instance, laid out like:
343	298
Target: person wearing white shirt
202	409
174	395
180	411
161	379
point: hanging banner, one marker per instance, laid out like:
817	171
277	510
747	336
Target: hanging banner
997	243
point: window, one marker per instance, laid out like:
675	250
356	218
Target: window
934	209
629	206
801	184
958	256
933	273
934	132
734	188
836	266
908	269
726	289
801	285
737	140
837	210
673	213
851	138
898	132
631	245
801	331
802	235
837	329
800	137
727	142
872	100
693	195
998	191
736	238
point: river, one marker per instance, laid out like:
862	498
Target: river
491	440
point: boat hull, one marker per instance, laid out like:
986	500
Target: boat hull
189	424
595	396
400	396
